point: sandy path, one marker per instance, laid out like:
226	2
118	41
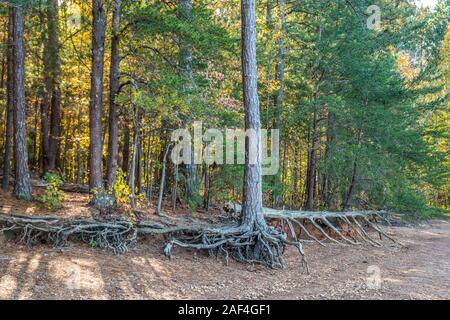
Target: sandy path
421	270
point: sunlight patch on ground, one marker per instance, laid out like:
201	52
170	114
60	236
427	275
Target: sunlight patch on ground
8	285
78	274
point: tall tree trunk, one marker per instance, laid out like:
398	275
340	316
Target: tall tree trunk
114	77
79	163
126	149
22	185
162	181
280	93
351	188
95	108
252	194
139	156
331	136
295	195
35	161
312	164
207	198
348	197
134	159
44	131
149	166
9	103
187	79
53	82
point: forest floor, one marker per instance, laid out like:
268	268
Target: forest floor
419	270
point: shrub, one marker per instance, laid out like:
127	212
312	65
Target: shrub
53	196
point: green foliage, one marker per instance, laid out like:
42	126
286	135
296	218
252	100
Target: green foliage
121	188
53	196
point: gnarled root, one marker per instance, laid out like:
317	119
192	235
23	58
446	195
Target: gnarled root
261	244
117	235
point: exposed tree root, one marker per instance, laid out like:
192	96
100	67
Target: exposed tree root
266	244
117	235
260	244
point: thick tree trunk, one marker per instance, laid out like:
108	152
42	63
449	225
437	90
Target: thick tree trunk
22	186
53	72
114	75
252	193
9	104
187	79
95	108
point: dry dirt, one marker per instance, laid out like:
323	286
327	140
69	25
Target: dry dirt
419	270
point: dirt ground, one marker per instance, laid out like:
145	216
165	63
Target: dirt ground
419	270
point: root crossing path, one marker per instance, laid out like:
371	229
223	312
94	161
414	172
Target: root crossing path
220	236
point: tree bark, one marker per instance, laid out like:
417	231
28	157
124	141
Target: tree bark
252	214
22	186
187	79
79	163
126	149
163	180
9	103
134	159
331	136
114	77
207	198
53	82
96	100
348	197
44	132
311	184
280	93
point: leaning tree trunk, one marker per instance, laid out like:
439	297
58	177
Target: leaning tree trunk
95	108
53	83
22	186
9	104
114	74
